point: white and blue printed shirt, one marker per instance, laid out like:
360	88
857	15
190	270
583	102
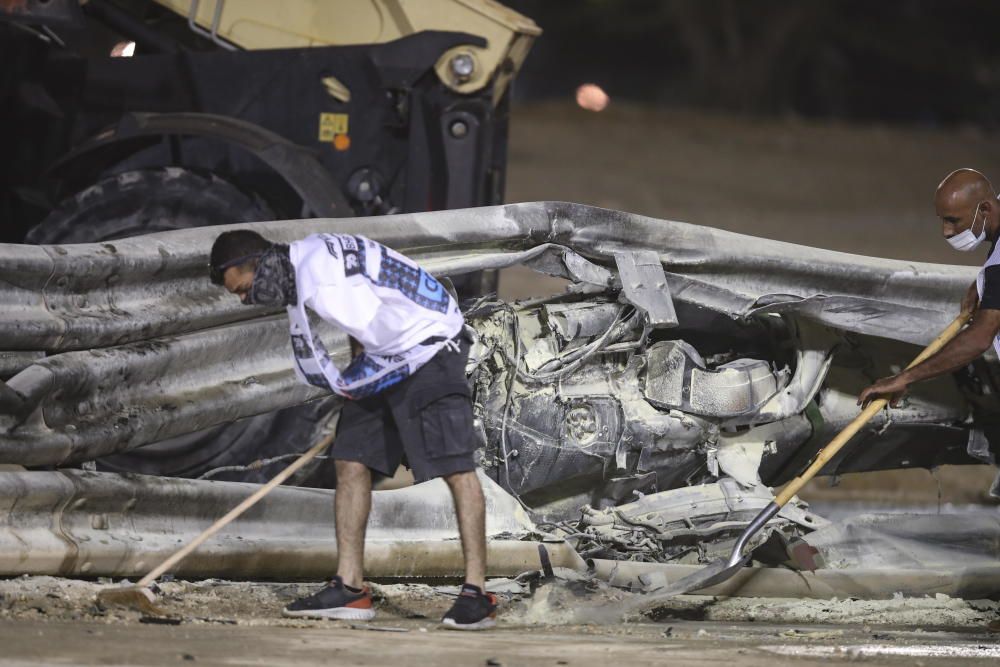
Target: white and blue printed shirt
400	313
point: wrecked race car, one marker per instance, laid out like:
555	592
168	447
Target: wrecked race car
643	415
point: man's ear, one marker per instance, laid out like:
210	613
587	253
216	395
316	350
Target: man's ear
990	210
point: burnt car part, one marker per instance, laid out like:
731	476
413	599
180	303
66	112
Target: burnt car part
685	525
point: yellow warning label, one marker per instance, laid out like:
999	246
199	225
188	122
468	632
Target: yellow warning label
332	124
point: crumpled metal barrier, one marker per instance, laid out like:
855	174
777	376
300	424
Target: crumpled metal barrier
98	294
157	368
77	523
102	401
86	404
73	297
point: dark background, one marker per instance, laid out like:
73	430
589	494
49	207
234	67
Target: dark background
916	61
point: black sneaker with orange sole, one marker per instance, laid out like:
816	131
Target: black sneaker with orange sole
335	601
473	610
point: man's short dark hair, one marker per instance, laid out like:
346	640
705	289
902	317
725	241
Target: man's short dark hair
239	247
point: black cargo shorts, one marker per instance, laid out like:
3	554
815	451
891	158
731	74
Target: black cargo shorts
424	422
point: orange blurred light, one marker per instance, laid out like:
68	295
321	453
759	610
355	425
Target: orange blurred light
590	97
341	142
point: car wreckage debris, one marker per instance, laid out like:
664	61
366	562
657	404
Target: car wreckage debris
684	372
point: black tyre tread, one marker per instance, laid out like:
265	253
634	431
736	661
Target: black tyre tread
146	201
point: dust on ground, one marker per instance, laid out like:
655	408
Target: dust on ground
220	622
560	602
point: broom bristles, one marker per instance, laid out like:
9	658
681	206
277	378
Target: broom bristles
136	597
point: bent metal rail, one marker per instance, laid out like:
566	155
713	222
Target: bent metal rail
124	343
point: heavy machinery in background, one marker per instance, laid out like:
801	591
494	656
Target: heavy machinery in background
123	117
126	117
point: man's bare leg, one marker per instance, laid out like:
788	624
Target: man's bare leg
352	503
470	507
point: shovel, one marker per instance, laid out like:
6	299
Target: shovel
723	569
142	598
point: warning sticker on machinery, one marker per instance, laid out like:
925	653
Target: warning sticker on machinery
332	124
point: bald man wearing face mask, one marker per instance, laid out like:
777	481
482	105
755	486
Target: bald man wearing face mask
967	205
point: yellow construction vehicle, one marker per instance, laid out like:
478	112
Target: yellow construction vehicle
124	117
282	109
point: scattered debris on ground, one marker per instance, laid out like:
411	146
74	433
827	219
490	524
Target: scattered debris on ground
555	602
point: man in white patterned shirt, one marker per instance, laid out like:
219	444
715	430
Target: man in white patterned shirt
407	395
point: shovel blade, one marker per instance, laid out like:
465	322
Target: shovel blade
714	573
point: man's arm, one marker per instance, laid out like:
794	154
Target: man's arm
961	351
971	300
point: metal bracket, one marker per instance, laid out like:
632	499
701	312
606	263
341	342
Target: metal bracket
212	34
644	285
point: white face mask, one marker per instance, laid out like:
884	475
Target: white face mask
966	241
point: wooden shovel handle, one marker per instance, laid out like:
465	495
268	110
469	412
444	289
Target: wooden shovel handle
235	512
828	452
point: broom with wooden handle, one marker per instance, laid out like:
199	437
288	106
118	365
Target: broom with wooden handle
723	569
140	596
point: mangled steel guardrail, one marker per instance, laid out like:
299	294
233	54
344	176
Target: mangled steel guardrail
140	351
85	404
100	524
142	348
95	295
